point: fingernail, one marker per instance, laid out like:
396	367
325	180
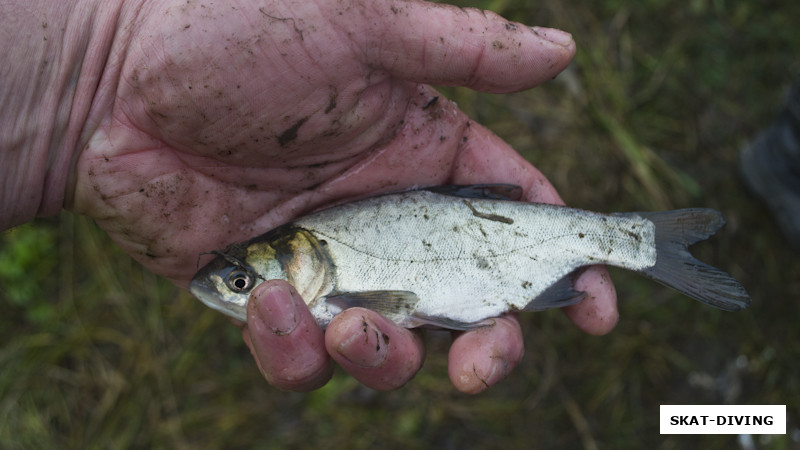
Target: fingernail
278	309
367	346
553	35
500	370
486	376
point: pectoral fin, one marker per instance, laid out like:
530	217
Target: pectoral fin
396	306
487	191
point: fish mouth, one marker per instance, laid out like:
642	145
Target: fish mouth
200	289
206	291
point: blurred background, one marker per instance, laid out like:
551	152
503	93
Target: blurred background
95	352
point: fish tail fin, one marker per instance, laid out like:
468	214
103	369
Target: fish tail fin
675	267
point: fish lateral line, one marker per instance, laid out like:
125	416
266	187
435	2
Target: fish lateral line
492	217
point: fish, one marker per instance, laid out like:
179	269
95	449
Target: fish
453	257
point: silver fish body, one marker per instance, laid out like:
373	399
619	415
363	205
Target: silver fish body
451	257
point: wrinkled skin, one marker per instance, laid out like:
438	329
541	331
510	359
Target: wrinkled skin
214	123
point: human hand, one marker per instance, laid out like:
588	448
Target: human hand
213	123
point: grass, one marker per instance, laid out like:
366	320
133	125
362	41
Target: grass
98	353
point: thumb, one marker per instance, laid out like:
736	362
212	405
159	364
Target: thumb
446	45
284	339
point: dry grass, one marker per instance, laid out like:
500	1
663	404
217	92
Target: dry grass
98	353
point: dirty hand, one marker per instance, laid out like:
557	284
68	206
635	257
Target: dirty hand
216	122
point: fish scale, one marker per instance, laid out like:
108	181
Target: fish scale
489	262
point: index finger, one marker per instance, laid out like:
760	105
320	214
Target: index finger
446	45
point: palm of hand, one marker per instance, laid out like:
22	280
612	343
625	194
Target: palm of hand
195	153
216	123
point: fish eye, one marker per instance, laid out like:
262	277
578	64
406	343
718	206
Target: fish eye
239	281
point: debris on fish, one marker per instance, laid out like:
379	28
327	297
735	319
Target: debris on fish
452	256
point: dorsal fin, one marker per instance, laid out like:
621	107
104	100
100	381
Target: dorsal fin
485	191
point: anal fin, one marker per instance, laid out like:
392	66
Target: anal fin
559	294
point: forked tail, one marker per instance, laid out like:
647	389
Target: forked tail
678	269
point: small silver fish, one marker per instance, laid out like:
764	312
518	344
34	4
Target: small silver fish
453	256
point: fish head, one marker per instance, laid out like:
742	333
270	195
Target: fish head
286	253
226	282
